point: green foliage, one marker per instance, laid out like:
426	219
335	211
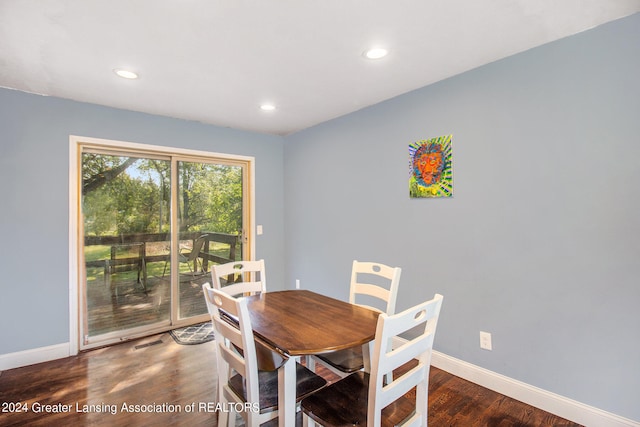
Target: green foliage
130	195
211	197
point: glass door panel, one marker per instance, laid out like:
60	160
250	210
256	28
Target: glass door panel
210	221
126	223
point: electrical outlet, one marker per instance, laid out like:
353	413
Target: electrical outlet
297	283
485	340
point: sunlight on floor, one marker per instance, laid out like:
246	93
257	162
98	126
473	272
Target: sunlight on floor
142	376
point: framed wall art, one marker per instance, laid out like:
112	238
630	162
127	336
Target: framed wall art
430	165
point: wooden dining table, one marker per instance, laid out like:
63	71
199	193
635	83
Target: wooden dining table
299	323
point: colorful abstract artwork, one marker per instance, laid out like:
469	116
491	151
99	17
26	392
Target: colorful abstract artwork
430	165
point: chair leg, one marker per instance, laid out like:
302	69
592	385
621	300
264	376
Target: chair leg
311	363
107	272
223	418
307	421
193	274
164	270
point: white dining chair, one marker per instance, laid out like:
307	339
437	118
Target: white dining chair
227	278
240	278
240	381
367	399
375	286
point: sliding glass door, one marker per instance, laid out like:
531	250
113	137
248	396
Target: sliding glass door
210	204
151	225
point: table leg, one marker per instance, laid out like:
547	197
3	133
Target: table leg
287	393
367	351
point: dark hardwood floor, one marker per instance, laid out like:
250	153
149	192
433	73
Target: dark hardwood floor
102	388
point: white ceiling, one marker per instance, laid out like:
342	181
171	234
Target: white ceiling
216	61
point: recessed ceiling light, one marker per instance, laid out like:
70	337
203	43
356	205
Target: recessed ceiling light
267	107
375	53
125	74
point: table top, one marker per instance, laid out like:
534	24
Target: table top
301	322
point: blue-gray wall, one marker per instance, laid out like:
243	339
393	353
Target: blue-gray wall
540	244
34	218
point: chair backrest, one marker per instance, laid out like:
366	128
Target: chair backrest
234	342
240	278
422	320
268	360
197	247
207	290
364	272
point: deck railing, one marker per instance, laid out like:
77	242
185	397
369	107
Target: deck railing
138	242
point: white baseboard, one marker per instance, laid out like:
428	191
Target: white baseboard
534	396
33	356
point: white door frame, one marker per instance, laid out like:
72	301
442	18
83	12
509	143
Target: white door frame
75	166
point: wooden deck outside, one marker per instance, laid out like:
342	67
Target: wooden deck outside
131	305
128	282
